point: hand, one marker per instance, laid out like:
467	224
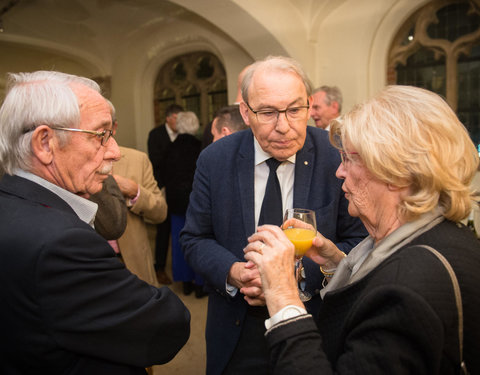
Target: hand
273	254
245	276
128	187
324	252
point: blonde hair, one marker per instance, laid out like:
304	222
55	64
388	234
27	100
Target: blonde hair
410	137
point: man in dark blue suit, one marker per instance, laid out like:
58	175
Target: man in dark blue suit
69	306
226	201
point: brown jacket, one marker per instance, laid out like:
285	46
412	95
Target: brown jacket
150	207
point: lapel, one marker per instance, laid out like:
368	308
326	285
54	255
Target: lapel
31	191
303	173
245	161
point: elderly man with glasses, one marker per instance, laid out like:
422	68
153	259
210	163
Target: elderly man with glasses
69	305
248	179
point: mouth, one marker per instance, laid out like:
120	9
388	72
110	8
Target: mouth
105	169
282	144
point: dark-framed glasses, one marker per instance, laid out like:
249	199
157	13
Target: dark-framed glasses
270	116
344	156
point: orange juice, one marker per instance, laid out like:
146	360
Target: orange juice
301	238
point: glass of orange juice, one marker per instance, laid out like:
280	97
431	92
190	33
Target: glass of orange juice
299	225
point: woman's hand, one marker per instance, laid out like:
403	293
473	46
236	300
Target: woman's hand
324	252
273	254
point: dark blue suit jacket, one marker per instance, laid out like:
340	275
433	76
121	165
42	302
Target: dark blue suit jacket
220	218
69	306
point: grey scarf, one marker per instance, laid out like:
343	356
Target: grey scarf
366	256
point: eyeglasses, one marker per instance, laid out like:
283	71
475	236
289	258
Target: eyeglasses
344	156
104	135
270	116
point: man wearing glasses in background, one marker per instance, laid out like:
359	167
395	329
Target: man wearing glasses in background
228	202
68	304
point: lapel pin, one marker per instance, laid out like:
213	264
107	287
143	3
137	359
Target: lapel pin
305	162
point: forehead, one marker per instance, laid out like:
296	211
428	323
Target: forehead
94	109
319	97
272	86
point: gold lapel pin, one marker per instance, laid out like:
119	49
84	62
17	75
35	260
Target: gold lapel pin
305	162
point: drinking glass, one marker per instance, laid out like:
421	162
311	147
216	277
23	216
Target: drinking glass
299	225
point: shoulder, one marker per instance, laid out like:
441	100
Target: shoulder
132	154
236	144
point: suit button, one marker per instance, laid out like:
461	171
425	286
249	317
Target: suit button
237	322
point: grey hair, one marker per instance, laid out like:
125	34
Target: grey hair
332	94
278	63
33	99
187	122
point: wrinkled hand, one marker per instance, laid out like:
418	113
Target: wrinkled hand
128	187
324	252
273	254
245	276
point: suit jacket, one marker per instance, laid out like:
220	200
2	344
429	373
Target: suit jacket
69	306
158	147
220	218
402	316
150	207
181	162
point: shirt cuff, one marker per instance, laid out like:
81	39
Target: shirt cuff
132	201
231	290
288	312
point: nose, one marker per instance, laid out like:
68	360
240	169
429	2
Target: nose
282	125
112	151
341	172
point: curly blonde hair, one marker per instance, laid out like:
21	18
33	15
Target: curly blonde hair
410	137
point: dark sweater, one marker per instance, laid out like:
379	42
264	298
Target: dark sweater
399	319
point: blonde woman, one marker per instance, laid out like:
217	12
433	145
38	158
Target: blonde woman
389	307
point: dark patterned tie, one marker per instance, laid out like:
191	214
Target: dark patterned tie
272	211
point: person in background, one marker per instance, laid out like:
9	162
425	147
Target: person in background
227	120
146	205
69	305
326	106
229	190
407	165
159	142
181	161
111	218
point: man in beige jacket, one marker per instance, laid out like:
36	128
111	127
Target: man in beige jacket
146	204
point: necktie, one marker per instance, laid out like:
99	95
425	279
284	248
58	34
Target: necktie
272	211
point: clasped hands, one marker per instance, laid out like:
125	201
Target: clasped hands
268	275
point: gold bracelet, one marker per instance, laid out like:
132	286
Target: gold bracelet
328	273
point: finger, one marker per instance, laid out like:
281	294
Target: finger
252	291
254	301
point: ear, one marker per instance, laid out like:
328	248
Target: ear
226	131
244	112
334	106
310	104
42	139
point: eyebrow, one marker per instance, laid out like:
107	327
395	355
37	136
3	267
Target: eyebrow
262	107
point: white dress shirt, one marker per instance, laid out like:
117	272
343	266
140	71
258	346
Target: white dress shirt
285	174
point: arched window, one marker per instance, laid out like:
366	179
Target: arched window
196	81
438	48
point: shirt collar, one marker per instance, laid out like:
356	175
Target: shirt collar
85	209
261	156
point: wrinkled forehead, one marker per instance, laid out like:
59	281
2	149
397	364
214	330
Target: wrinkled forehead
93	106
